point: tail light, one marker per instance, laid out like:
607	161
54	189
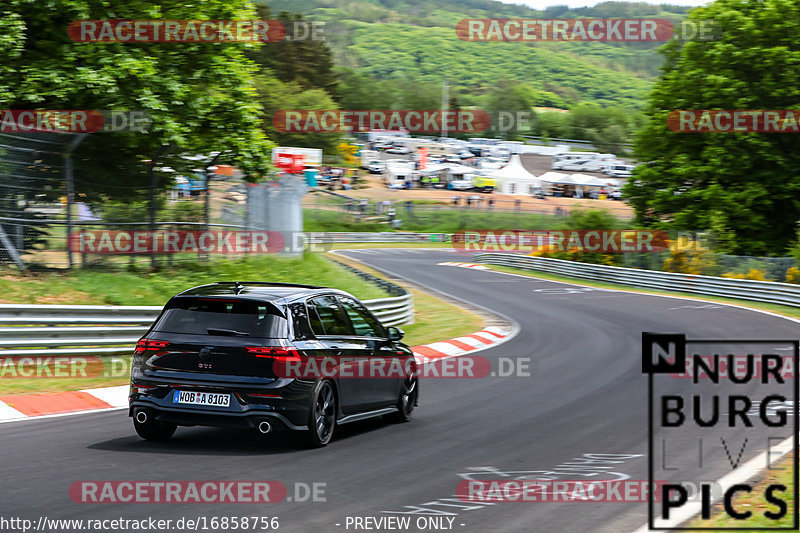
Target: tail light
275	353
147	345
143	389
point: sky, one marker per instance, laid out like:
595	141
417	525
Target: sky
541	4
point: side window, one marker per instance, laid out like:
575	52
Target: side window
315	321
364	324
300	322
327	316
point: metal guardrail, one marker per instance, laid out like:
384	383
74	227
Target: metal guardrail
394	311
72	329
742	289
383	237
52	330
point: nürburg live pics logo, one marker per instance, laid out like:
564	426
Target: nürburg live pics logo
721	415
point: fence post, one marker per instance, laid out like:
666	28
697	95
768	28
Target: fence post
151	208
83	252
207	198
70	185
12	251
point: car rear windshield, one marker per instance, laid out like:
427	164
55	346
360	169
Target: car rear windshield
219	316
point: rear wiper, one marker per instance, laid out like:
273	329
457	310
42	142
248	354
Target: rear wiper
229	332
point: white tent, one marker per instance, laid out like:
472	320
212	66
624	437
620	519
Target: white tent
556	177
586	180
514	178
582	181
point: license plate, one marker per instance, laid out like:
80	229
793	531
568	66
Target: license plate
201	398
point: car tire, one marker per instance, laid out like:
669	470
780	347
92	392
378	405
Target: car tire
409	395
155	431
322	415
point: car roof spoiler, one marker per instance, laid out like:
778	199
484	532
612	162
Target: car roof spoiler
272	306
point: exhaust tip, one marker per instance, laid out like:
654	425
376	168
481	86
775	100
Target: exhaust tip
264	427
141	417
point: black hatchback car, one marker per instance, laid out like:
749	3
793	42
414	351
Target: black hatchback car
268	356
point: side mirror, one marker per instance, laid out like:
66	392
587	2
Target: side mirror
395	334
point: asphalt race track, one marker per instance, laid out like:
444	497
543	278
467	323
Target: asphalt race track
586	395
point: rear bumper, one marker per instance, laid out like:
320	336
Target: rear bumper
288	411
195	417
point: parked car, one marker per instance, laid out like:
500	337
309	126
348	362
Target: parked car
502	153
398	150
465	154
218	355
620	171
463	184
402	163
376	166
581	161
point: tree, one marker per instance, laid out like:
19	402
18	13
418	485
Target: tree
754	178
301	57
276	96
200	97
361	91
507	102
724	240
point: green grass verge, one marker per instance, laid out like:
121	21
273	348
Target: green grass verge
755	503
143	287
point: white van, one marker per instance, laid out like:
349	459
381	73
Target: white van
396	176
581	161
368	156
620	170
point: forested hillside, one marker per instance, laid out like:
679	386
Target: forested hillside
414	42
